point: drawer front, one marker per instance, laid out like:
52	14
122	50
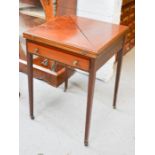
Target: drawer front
60	56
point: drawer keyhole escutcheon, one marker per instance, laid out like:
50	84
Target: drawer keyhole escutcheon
75	63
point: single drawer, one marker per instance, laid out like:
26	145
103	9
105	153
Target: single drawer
58	55
54	77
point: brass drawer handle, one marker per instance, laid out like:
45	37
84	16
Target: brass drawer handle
36	50
75	63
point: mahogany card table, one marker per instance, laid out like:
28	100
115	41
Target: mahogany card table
79	43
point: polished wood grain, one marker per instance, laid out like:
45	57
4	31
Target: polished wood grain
108	52
77	34
66	81
55	79
30	82
48	9
118	71
81	43
91	86
26	22
58	55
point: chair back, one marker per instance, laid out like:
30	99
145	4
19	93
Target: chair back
48	9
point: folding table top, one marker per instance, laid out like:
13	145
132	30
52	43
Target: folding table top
76	33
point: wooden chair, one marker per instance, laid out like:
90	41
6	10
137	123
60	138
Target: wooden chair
42	65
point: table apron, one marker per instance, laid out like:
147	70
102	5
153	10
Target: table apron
61	56
109	52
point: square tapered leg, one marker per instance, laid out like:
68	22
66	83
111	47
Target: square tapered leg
30	82
118	72
91	85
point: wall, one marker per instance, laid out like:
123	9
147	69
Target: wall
106	10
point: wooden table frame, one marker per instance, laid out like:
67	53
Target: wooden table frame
74	43
91	85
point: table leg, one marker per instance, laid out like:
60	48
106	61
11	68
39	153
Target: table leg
66	81
91	85
118	71
30	82
66	85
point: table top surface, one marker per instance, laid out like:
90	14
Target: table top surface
76	34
